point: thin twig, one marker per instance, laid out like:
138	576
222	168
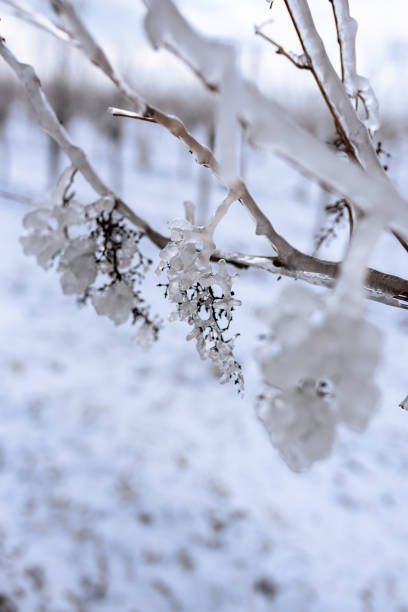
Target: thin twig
336	21
119	112
292	57
350	218
400	239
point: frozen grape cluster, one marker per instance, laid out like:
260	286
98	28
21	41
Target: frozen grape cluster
96	253
203	293
313	363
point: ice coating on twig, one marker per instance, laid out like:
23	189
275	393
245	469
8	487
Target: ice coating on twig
348	295
68	16
348	124
215	63
228	132
357	87
22	10
165	26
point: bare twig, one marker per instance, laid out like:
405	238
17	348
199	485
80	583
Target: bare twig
401	240
297	60
350	218
120	112
336	22
404	404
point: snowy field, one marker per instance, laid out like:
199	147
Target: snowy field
132	481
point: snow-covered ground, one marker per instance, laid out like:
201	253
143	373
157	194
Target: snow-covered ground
132	481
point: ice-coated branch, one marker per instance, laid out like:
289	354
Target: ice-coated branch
221	211
227	123
215	62
21	10
292	142
48	121
380	287
346	29
348	295
158	28
357	87
206	157
83	38
166	27
349	126
347	122
268	125
289	261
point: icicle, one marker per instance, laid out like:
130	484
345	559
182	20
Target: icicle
357	87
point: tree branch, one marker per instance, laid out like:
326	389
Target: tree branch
384	288
48	121
355	133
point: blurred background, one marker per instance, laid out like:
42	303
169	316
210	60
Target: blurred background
132	481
